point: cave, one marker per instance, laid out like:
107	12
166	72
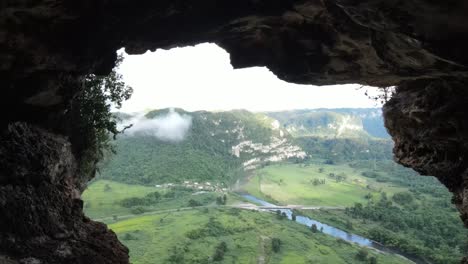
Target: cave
47	47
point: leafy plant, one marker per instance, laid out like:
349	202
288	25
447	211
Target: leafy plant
94	123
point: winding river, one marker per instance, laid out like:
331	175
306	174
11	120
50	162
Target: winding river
333	231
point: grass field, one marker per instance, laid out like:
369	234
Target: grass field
172	231
248	235
293	184
102	199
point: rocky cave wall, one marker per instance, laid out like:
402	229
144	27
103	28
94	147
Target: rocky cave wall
46	47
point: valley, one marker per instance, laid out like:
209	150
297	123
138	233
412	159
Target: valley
182	202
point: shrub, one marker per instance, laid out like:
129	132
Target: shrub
276	245
129	236
138	210
314	228
403	198
107	188
194	203
362	254
220	251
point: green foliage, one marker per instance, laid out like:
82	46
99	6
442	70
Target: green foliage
316	181
94	123
276	244
362	254
129	236
339	150
194	203
150	198
314	228
138	210
220	250
107	188
176	256
422	222
204	155
403	198
281	215
433	232
221	200
213	228
243	235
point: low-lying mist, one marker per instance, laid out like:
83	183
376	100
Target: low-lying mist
172	126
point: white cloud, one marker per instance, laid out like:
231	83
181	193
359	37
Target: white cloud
171	126
202	78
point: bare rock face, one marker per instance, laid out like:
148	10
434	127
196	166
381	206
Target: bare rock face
46	47
429	124
42	219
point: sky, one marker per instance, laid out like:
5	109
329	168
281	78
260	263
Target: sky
202	78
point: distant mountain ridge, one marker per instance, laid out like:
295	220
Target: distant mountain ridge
333	123
223	146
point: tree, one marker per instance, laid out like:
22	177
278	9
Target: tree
314	228
362	254
284	215
316	182
321	170
153	196
281	215
219	200
293	217
382	95
176	256
372	260
219	251
276	245
403	198
349	225
93	122
138	210
194	203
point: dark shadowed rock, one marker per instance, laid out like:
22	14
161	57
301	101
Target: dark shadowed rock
42	219
429	124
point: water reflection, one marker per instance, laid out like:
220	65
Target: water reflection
330	230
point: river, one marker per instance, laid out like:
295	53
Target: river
335	232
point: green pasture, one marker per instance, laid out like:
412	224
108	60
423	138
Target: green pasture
293	184
170	236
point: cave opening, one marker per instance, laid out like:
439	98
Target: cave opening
205	142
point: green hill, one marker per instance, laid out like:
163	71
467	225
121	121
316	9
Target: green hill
223	146
218	146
